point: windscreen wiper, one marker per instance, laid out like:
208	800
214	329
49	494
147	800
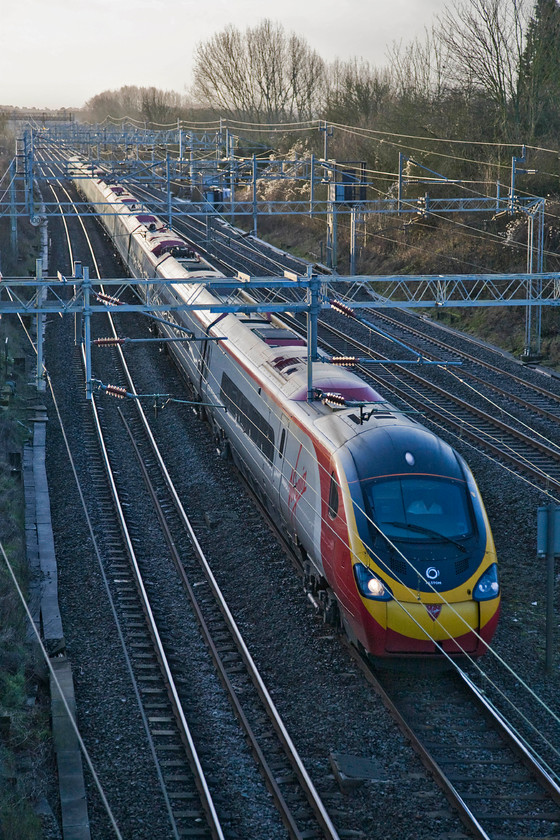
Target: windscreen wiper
428	531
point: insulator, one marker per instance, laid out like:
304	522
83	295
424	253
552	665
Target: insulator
333	399
112	301
338	306
107	342
116	391
344	361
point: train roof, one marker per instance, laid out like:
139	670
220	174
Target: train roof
282	355
327	379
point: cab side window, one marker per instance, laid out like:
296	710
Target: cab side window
282	444
333	497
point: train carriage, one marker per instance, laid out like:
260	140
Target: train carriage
387	518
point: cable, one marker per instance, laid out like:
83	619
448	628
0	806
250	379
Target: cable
62	695
293	466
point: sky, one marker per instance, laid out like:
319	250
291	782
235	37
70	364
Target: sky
58	54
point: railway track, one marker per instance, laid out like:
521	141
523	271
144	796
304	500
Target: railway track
497	820
159	662
505	435
285	775
293	794
529	396
227	247
500	790
504	438
189	804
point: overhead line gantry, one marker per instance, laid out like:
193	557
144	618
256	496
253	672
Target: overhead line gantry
198	174
82	296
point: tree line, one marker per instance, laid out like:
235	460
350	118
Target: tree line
487	70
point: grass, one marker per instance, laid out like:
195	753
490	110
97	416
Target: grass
23	727
17	819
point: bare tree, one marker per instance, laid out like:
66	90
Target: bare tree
159	107
261	74
148	105
485	43
356	91
417	69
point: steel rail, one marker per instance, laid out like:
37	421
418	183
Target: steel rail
530	386
461	428
183	728
545	779
384	316
297	764
186	736
530	442
269	775
466	815
471	820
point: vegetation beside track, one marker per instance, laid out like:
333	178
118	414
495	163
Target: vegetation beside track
24	721
24	724
440	246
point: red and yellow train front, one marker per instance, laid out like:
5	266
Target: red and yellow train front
412	559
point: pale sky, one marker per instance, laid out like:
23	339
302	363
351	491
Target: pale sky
60	53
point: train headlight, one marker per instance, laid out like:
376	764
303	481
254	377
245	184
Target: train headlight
370	586
488	586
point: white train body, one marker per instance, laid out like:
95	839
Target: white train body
307	461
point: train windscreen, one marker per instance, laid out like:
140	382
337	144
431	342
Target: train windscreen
420	508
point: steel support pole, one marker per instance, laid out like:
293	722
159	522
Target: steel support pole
312	185
312	318
31	168
535	253
86	286
331	234
328	133
13	209
512	185
514	162
40	319
26	177
77	274
230	154
399	185
529	310
169	206
353	225
254	195
551	522
540	267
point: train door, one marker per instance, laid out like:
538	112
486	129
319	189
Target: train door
282	437
299	492
264	435
203	364
335	549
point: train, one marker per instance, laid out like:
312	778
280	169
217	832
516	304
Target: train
387	519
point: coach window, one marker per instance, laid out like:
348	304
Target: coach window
333	498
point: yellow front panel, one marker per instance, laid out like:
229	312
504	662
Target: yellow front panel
413	620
